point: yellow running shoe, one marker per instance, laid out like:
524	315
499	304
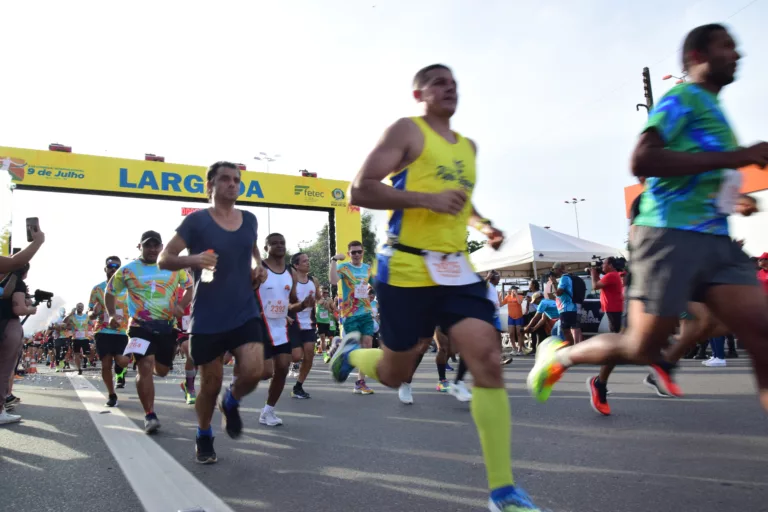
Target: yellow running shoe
547	370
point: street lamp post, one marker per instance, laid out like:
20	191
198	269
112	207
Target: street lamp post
574	202
267	159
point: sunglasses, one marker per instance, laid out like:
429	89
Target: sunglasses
355	253
113	265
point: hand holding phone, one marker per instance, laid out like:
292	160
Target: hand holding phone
33	226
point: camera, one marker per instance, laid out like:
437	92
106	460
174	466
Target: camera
619	263
41	296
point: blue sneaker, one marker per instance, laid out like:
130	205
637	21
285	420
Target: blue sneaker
511	499
340	366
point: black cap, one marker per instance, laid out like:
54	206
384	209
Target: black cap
151	235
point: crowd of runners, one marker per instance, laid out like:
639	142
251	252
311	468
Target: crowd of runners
220	301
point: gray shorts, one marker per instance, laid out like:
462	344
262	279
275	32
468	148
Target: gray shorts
671	267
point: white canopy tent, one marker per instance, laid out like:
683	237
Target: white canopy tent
532	251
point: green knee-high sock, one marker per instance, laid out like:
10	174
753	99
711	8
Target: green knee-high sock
366	360
490	410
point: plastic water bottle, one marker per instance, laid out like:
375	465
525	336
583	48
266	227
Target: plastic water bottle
206	275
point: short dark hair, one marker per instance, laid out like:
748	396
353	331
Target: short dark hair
295	258
213	170
354	243
266	240
420	78
698	40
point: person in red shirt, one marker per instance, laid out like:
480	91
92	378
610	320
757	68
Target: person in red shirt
611	288
762	274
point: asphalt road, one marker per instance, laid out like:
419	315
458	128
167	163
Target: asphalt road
339	451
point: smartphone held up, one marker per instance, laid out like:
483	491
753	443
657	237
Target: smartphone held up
33	226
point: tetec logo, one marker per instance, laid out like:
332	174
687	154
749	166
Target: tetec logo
304	190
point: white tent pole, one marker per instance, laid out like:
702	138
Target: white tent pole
535	272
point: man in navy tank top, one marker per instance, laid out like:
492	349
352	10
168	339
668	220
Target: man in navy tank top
225	314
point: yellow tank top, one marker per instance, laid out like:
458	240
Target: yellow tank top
440	166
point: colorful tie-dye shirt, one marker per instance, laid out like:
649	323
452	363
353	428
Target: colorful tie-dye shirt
79	324
354	289
688	119
151	291
97	303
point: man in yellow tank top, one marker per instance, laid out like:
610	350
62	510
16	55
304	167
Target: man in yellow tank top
424	275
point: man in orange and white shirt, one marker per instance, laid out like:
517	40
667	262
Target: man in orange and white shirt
515	321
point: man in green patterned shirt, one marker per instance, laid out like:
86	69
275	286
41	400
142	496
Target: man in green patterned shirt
681	248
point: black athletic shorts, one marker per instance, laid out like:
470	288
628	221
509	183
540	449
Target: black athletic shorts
162	346
83	345
110	344
271	351
324	329
298	337
614	321
204	348
569	320
411	314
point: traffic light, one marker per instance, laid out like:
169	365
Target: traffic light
647	91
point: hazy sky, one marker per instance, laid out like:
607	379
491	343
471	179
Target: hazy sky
547	90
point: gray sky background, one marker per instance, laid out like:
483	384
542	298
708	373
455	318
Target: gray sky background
547	89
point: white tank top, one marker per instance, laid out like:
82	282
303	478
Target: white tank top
274	293
304	290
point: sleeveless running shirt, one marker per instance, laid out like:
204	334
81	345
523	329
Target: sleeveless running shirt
304	290
274	297
440	166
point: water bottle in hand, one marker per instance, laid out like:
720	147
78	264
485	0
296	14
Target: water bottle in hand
206	275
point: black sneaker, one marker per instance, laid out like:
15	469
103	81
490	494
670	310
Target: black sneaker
120	382
151	423
112	402
231	422
12	399
204	453
79	371
298	392
650	381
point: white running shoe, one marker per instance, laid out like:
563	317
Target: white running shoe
269	418
6	418
404	393
460	391
714	362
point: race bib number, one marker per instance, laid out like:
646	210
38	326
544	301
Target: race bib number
450	269
276	309
185	323
136	346
119	312
729	192
322	314
361	290
79	335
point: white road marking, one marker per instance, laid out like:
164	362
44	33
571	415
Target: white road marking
159	481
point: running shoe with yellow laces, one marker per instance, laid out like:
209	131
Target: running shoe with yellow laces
547	370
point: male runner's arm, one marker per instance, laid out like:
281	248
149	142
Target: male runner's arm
396	149
169	259
535	319
333	273
651	159
258	273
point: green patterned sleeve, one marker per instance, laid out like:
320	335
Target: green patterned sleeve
671	114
